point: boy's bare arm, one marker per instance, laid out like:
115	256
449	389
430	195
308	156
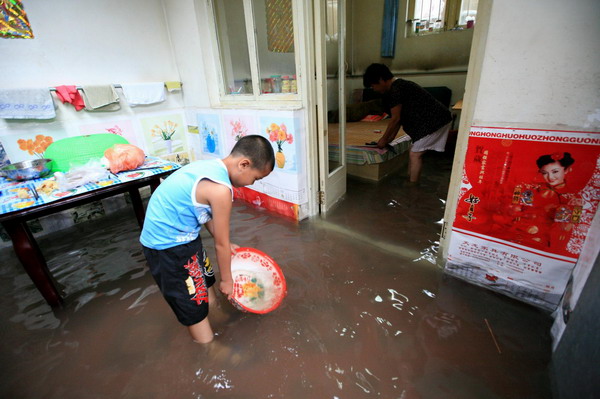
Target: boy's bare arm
208	225
218	197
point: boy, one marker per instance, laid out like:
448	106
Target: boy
199	194
424	119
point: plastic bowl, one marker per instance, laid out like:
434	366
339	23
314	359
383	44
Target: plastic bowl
27	170
258	282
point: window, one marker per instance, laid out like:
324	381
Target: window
256	48
435	16
468	12
332	21
233	46
428	16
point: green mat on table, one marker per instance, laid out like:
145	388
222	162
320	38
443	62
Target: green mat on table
76	151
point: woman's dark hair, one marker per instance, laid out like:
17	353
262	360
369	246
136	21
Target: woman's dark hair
256	148
376	72
563	158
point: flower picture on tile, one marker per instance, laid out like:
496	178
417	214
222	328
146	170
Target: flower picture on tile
281	132
209	127
194	145
238	129
122	128
164	134
237	126
35	146
29	146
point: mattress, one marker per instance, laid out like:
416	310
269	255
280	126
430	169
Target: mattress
360	133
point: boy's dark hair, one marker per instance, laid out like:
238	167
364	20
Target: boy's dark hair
563	158
256	148
374	73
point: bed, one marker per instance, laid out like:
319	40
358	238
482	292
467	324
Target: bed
368	162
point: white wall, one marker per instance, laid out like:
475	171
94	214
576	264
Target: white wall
187	39
541	71
89	42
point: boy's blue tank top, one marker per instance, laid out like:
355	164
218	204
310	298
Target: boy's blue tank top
174	216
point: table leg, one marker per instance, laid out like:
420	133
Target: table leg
33	261
138	205
154	185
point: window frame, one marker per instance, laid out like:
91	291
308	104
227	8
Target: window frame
256	98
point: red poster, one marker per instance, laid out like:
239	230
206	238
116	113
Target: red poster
261	200
526	202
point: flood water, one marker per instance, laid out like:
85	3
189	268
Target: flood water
368	314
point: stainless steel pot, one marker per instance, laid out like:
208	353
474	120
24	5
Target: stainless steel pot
27	170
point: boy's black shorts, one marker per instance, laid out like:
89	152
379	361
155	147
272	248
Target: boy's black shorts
183	274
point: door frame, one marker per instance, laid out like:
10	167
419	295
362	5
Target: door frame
331	185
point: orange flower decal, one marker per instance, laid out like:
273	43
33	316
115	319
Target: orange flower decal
37	146
279	134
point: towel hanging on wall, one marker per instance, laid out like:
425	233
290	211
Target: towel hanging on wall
100	98
26	104
144	93
173	85
70	94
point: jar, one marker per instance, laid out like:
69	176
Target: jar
248	86
293	85
276	79
267	85
285	84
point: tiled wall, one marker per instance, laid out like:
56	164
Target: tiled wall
198	134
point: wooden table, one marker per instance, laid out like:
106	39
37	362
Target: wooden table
25	245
